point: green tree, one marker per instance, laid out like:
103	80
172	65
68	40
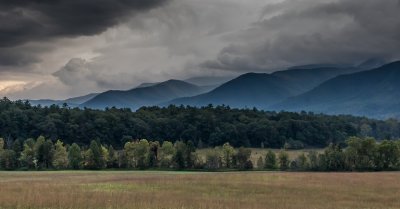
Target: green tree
129	153
213	159
137	154
313	158
44	151
179	155
141	154
94	156
75	156
27	158
8	159
387	155
270	160
243	158
112	158
302	162
283	160
335	159
228	153
360	153
60	160
167	151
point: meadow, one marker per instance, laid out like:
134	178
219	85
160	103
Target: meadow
190	190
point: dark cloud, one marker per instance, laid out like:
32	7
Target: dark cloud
309	31
24	21
29	20
21	56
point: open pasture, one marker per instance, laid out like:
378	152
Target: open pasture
187	190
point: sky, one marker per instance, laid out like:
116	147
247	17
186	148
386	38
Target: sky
64	48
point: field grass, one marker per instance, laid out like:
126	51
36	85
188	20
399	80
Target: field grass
187	190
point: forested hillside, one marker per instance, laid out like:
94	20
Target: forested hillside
207	126
373	93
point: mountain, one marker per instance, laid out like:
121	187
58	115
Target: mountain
144	96
262	90
81	99
142	85
302	79
45	102
209	80
72	102
373	93
248	90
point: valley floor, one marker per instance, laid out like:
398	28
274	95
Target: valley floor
186	190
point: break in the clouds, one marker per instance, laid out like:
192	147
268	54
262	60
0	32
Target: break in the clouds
62	48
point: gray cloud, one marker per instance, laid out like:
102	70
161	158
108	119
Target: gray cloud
309	31
118	47
24	21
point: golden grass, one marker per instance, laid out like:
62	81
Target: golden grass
185	190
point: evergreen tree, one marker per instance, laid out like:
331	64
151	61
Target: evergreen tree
94	156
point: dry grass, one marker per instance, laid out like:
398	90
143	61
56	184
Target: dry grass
159	190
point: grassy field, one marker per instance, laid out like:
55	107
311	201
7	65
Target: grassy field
186	190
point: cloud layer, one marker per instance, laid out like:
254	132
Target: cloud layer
309	31
63	48
25	21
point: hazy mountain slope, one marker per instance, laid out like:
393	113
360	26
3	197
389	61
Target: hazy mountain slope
81	99
262	90
72	102
301	80
248	90
209	80
145	96
44	102
374	93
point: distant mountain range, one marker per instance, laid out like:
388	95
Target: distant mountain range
368	89
72	102
373	93
144	96
262	90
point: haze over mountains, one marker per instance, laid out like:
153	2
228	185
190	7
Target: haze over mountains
357	90
262	90
72	102
373	93
144	96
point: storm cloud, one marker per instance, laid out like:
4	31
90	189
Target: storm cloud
25	21
309	32
63	48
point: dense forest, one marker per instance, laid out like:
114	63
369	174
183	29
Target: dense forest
204	127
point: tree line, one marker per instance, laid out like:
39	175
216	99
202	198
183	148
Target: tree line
203	127
359	154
